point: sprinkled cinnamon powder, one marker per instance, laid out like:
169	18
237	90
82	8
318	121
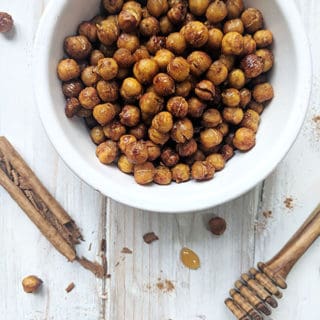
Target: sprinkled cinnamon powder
288	202
267	214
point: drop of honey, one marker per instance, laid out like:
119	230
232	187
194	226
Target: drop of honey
190	259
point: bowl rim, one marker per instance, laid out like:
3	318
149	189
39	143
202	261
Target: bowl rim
88	175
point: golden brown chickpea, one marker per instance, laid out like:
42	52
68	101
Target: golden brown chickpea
210	137
214	39
255	106
217	161
166	26
77	47
112	6
245	97
217	73
153	150
178	69
141	53
89	98
107	68
128	41
104	113
107	152
108	31
177	106
68	69
130	16
235	8
145	70
232	43
211	118
244	139
163	84
205	90
196	34
131	89
89	30
237	79
251	120
156	43
125	141
232	115
149	27
199	62
195	107
178	12
108	91
252	65
267	57
89	77
231	97
182	131
228	61
163	57
234	25
227	152
114	130
162	122
125	165
169	157
181	173
151	103
216	11
71	89
130	115
252	19
158	137
136	152
124	58
223	127
198	7
263	38
249	45
95	56
263	92
97	135
187	149
72	107
143	173
157	7
183	88
162	175
176	43
140	131
202	170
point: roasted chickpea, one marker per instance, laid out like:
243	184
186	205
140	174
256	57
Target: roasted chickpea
252	65
223	127
252	19
112	6
151	103
140	131
232	115
143	173
249	45
131	89
234	25
267	57
141	53
108	31
176	43
107	151
158	137
187	149
245	97
130	116
211	118
108	91
263	38
178	12
183	88
163	84
251	120
228	61
157	7
104	113
237	79
124	58
205	90
89	30
153	150
162	175
210	137
162	122
68	69
89	98
72	89
128	41
114	130
156	43
136	152
196	34
244	139
166	26
177	106
97	135
180	173
77	47
198	7
89	77
217	73
130	16
217	161
95	56
232	43
235	8
199	62
72	107
215	37
202	170
216	11
107	68
169	157
231	97
182	130
145	70
163	57
263	92
227	152
255	106
125	165
195	107
178	69
125	141
149	27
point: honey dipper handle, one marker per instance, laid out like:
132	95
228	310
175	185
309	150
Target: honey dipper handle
279	267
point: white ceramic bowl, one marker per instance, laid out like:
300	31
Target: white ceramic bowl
280	124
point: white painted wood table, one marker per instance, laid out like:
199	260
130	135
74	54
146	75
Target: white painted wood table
132	292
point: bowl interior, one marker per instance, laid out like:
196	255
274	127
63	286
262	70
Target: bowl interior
279	125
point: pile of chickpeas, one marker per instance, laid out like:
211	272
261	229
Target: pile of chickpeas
169	88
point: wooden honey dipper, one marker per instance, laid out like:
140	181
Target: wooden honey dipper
254	293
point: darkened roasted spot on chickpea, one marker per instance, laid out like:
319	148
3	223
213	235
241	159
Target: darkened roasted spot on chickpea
170	90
